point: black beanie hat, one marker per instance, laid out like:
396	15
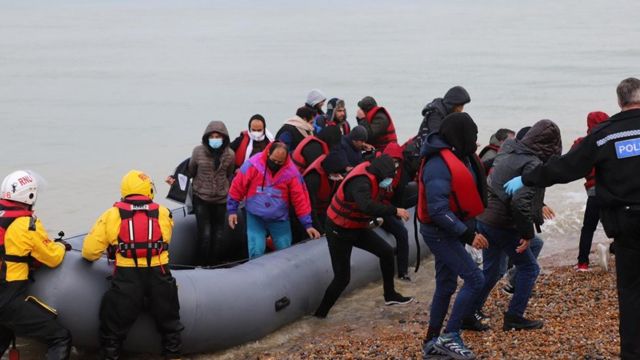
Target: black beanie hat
367	103
335	162
459	131
457	95
522	132
382	167
330	135
257	117
358	133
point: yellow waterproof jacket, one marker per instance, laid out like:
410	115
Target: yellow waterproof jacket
106	230
19	240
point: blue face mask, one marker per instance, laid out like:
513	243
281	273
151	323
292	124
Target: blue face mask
215	143
386	183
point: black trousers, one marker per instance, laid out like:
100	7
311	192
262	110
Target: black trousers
124	301
626	229
589	225
395	226
341	242
32	320
211	220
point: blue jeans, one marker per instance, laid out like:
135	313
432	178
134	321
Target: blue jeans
535	245
452	260
527	269
257	232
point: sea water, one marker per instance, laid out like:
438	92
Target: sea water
92	89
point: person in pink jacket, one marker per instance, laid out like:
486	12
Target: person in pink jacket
267	183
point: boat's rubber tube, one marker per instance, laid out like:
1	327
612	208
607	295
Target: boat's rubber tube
219	308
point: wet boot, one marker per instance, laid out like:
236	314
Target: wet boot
59	350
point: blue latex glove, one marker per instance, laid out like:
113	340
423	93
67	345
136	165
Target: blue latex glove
513	185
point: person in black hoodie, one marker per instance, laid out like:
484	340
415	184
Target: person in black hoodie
434	112
354	144
354	206
509	221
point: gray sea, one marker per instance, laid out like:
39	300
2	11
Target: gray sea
91	89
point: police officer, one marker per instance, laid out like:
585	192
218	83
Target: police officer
23	239
139	231
614	149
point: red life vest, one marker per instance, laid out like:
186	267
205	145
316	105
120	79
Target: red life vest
324	193
485	149
140	234
241	151
9	212
346	213
464	200
344	126
390	133
297	157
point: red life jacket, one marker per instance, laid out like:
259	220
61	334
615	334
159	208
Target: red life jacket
485	149
9	212
297	157
140	234
324	193
344	126
464	200
346	213
241	151
390	133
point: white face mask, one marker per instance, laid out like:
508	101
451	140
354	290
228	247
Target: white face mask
257	135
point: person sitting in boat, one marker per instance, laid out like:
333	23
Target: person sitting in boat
313	146
297	128
24	239
353	208
211	167
315	101
489	152
322	178
377	121
138	231
336	115
251	141
354	144
390	223
268	183
451	193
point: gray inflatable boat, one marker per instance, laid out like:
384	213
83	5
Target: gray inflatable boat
219	308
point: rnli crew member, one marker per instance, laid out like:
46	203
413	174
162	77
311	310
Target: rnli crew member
23	239
313	146
323	177
377	121
251	141
451	194
297	128
138	231
613	148
353	207
268	183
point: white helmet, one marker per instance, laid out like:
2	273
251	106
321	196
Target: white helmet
20	186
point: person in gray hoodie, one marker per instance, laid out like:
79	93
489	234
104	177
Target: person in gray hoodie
211	167
508	222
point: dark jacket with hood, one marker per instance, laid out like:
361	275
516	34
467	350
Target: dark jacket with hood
524	209
434	112
212	169
437	181
359	190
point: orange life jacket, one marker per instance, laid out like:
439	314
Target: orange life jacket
9	212
297	157
140	234
323	195
464	201
390	132
346	213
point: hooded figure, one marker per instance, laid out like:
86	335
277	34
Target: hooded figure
315	100
211	167
251	141
434	112
334	106
509	221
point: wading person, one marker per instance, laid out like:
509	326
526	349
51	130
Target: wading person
22	239
353	207
138	231
613	148
450	194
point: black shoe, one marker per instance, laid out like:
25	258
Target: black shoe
396	299
473	322
508	289
481	316
515	322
